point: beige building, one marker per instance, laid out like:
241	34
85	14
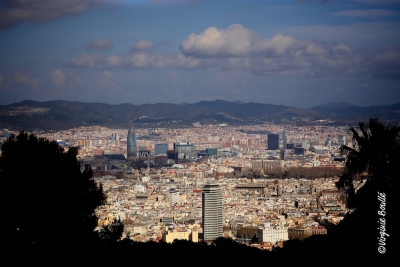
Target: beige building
268	165
169	237
299	232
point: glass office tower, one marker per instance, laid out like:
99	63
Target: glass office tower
131	143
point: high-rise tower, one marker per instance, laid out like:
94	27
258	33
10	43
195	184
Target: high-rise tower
273	141
212	212
284	140
131	143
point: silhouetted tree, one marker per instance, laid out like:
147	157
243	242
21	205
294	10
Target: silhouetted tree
48	198
111	234
371	168
254	239
375	158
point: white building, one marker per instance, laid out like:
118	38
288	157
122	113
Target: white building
172	196
306	145
272	235
212	212
139	188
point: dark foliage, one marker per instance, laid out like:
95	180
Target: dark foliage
372	167
375	159
111	234
48	200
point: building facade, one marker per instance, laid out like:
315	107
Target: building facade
273	141
272	235
172	196
169	237
131	143
160	149
211	151
267	165
212	212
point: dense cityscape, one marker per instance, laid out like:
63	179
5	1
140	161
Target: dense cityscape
269	183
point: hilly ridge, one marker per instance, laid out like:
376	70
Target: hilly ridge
61	114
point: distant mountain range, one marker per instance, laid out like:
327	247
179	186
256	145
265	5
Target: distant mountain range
341	104
55	115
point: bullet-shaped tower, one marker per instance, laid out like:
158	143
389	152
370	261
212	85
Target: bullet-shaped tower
131	143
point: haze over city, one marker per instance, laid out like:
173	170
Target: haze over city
295	53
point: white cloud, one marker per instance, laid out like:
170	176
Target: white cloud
234	41
238	41
239	48
22	78
101	44
143	45
58	77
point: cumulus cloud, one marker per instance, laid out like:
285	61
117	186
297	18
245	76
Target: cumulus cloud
58	77
15	12
238	41
234	41
279	54
367	13
239	48
142	45
22	78
101	44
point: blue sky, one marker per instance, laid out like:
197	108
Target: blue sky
295	53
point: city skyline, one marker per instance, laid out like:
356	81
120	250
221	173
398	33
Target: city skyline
293	53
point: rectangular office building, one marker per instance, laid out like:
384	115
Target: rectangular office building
212	212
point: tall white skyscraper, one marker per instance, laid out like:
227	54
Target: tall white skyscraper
212	212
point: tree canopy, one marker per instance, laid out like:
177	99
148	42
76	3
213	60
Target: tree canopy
48	198
372	162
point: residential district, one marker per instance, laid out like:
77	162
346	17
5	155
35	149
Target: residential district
259	185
